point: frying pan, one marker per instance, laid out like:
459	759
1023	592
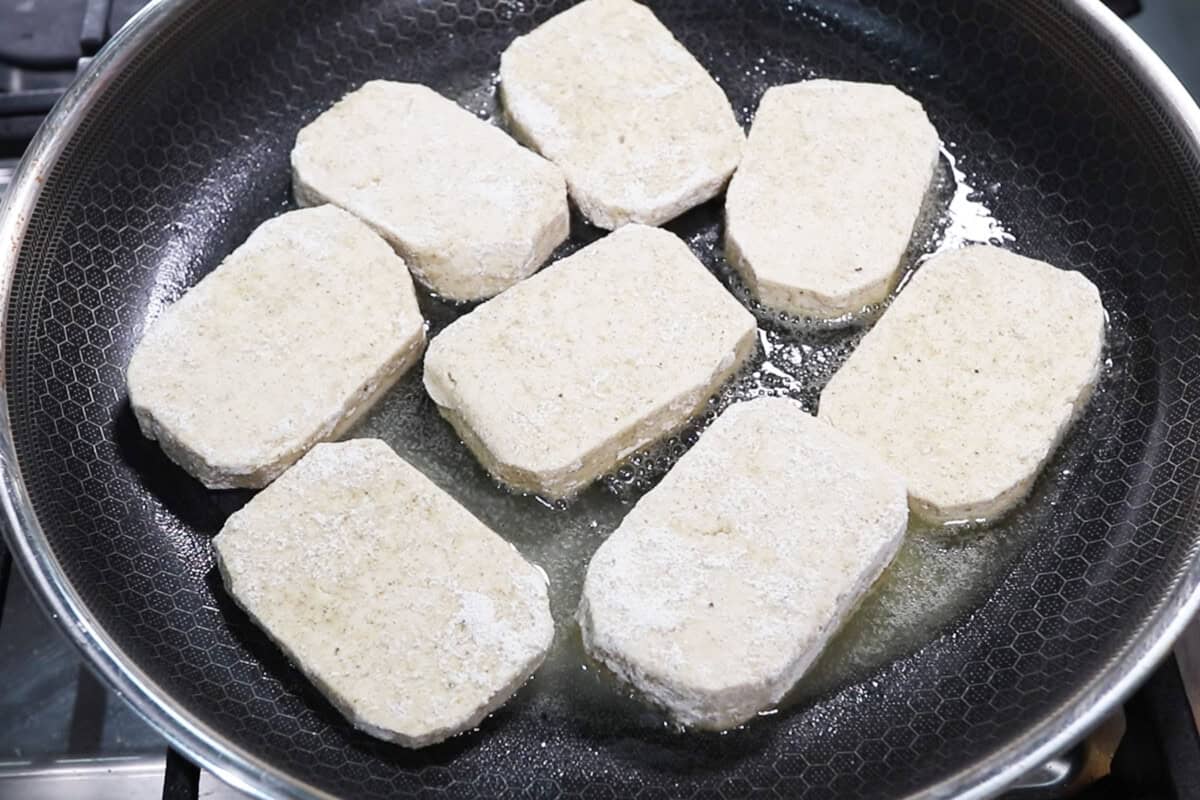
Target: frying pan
173	146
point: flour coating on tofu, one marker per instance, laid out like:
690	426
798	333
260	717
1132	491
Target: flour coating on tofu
408	613
640	129
286	343
822	208
560	378
469	209
725	581
971	378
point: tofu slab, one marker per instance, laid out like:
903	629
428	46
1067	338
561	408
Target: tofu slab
726	580
822	208
287	343
469	209
971	378
554	382
640	129
407	612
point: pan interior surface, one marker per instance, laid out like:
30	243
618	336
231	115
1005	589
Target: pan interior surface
186	151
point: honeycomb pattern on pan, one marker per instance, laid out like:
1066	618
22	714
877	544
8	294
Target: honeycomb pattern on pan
183	167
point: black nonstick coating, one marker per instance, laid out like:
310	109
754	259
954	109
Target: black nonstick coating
188	151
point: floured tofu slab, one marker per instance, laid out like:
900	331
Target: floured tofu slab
469	209
560	378
725	581
822	208
287	343
640	129
408	613
971	378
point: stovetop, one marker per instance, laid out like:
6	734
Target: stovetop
64	735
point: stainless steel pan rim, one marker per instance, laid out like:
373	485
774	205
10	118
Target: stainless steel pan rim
247	772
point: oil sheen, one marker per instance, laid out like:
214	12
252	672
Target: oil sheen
939	575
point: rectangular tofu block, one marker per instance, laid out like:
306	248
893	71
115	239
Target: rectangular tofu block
971	378
469	209
407	612
640	129
822	208
726	580
557	380
286	343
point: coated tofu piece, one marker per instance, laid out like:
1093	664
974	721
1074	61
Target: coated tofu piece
970	380
469	209
560	378
640	129
822	209
287	343
725	581
408	613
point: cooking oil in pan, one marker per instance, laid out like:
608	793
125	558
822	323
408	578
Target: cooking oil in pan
939	575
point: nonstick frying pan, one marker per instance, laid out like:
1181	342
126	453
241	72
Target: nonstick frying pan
173	146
